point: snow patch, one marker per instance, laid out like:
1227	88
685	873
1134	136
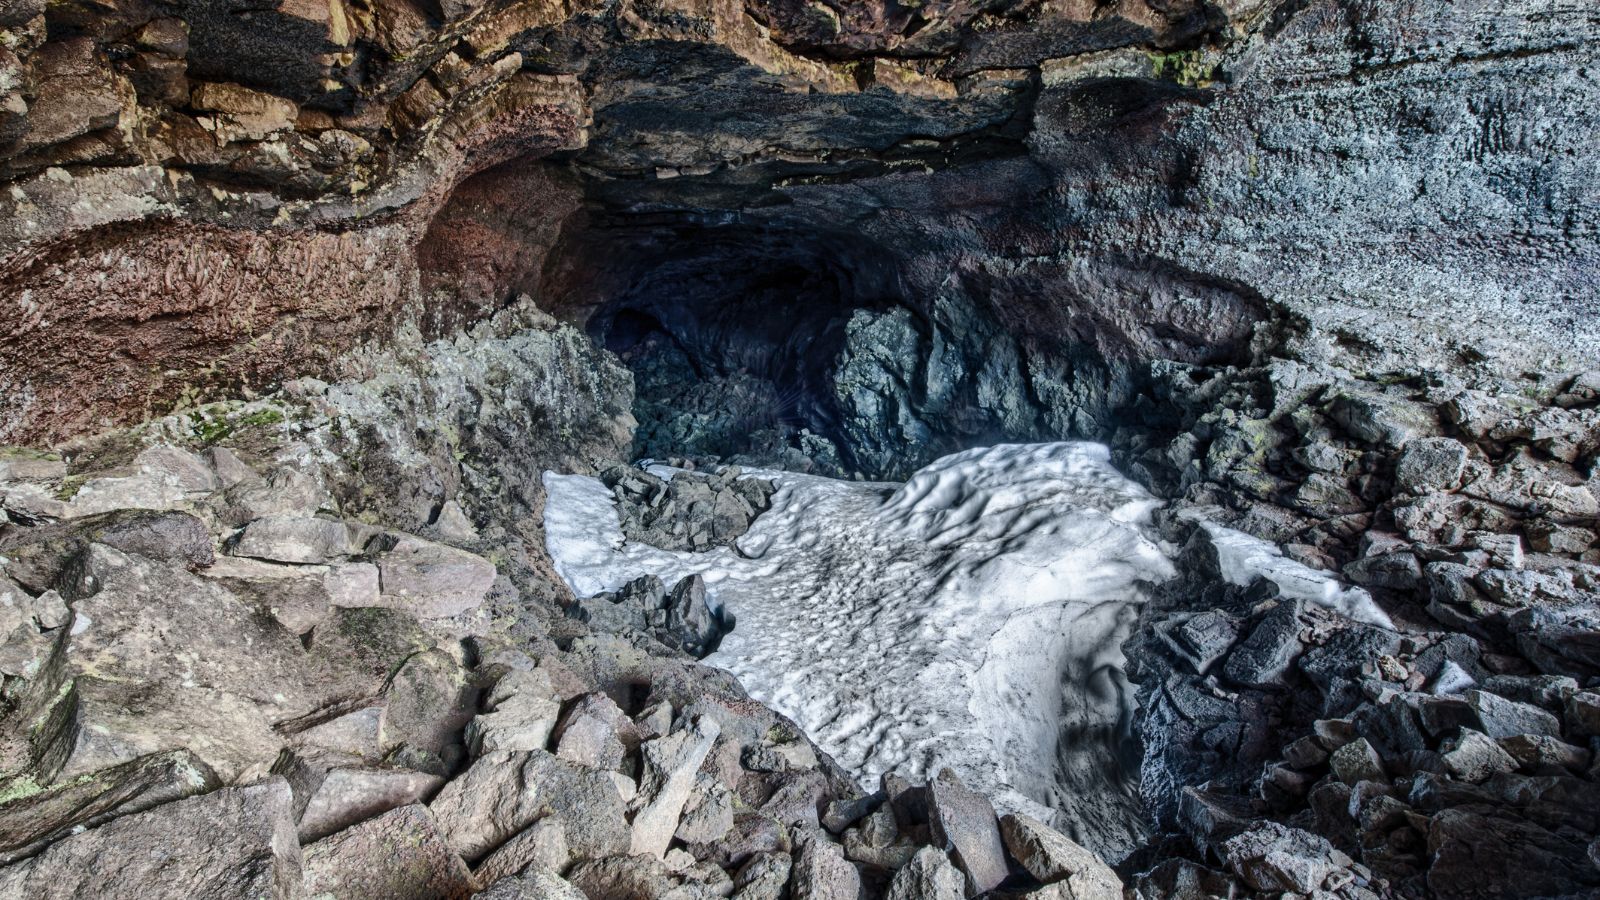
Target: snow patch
972	617
1244	558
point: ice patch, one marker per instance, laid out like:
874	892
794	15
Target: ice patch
972	618
1243	558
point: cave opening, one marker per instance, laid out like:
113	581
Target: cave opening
784	348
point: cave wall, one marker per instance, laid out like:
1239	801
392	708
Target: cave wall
1085	187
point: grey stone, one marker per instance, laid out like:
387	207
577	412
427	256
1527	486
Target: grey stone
1538	752
231	843
1053	858
532	885
541	846
1499	717
432	580
708	814
1473	756
764	876
820	872
1427	465
397	854
332	798
504	792
294	539
1357	761
927	876
668	766
962	822
590	732
877	841
31	820
1264	657
522	714
1274	857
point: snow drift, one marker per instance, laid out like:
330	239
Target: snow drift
972	618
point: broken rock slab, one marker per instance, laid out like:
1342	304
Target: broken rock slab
820	872
541	846
523	711
963	821
669	765
232	843
532	885
397	854
331	798
505	791
431	581
1053	858
928	876
29	821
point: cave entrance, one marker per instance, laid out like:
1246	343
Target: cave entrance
777	348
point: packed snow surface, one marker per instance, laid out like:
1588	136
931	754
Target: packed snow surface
971	618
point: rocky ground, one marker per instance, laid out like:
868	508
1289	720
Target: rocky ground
277	397
320	630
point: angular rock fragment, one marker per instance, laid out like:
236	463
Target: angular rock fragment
397	854
231	843
928	875
541	846
1053	858
1473	756
1499	717
522	713
331	798
764	876
29	821
504	792
591	731
294	539
964	823
1263	658
820	872
669	767
432	580
1274	857
532	885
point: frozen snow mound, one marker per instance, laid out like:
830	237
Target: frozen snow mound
972	618
1244	558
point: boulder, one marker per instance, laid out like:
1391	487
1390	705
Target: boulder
504	792
764	876
1275	857
708	814
1053	858
1473	756
28	821
432	580
541	846
331	798
1499	717
133	682
532	885
591	731
668	772
928	876
820	872
522	713
231	843
963	822
1264	657
294	539
1357	761
397	854
1429	465
877	841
